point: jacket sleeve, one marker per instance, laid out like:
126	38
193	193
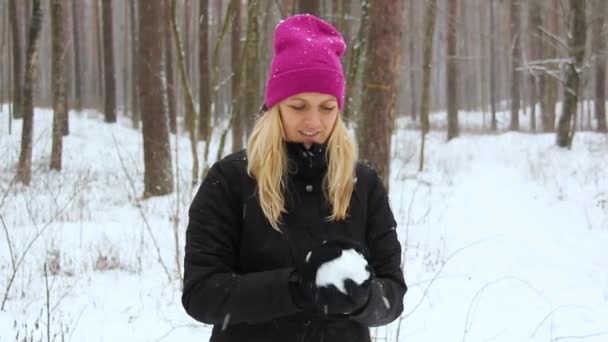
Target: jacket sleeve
214	292
388	286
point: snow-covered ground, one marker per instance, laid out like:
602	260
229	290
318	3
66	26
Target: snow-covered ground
504	235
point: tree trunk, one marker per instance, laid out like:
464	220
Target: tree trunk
576	51
514	19
77	57
17	60
252	82
494	125
58	79
381	75
9	73
171	109
158	174
551	84
204	94
534	46
452	70
429	32
108	63
350	111
483	72
99	56
135	112
425	102
411	47
187	92
235	51
309	6
599	48
24	169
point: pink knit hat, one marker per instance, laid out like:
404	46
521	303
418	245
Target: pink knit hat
307	53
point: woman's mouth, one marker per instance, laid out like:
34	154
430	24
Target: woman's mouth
309	133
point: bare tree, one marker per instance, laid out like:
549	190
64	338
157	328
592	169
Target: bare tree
358	46
576	50
412	33
24	169
172	110
425	102
237	127
252	80
17	100
204	92
381	75
187	92
599	48
548	84
310	7
158	174
534	45
98	55
514	19
58	75
108	63
452	69
77	56
492	72
135	113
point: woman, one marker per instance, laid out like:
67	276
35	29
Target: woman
266	219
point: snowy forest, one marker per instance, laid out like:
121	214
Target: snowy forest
485	119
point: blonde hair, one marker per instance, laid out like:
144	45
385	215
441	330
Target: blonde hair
267	163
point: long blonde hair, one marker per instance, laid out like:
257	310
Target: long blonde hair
267	163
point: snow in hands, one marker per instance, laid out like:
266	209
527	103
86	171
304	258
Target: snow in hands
350	265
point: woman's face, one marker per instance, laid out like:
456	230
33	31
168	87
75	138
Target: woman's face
308	117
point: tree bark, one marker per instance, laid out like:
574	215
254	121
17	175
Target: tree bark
77	57
381	75
350	111
493	69
534	46
550	84
576	51
235	55
158	174
599	48
58	78
99	56
204	94
429	32
452	70
108	63
309	6
187	93
17	60
514	19
135	112
252	81
169	70
425	102
412	60
24	169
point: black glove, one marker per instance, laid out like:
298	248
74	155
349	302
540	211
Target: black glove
327	300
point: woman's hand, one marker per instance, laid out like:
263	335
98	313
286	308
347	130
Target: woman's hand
327	298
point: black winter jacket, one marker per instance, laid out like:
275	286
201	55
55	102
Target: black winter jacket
237	267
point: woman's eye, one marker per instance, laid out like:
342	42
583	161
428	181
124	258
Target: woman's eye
297	107
328	108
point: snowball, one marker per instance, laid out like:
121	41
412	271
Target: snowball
350	265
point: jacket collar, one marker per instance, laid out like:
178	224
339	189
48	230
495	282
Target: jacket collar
306	163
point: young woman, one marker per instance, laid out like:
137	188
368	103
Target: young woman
266	219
